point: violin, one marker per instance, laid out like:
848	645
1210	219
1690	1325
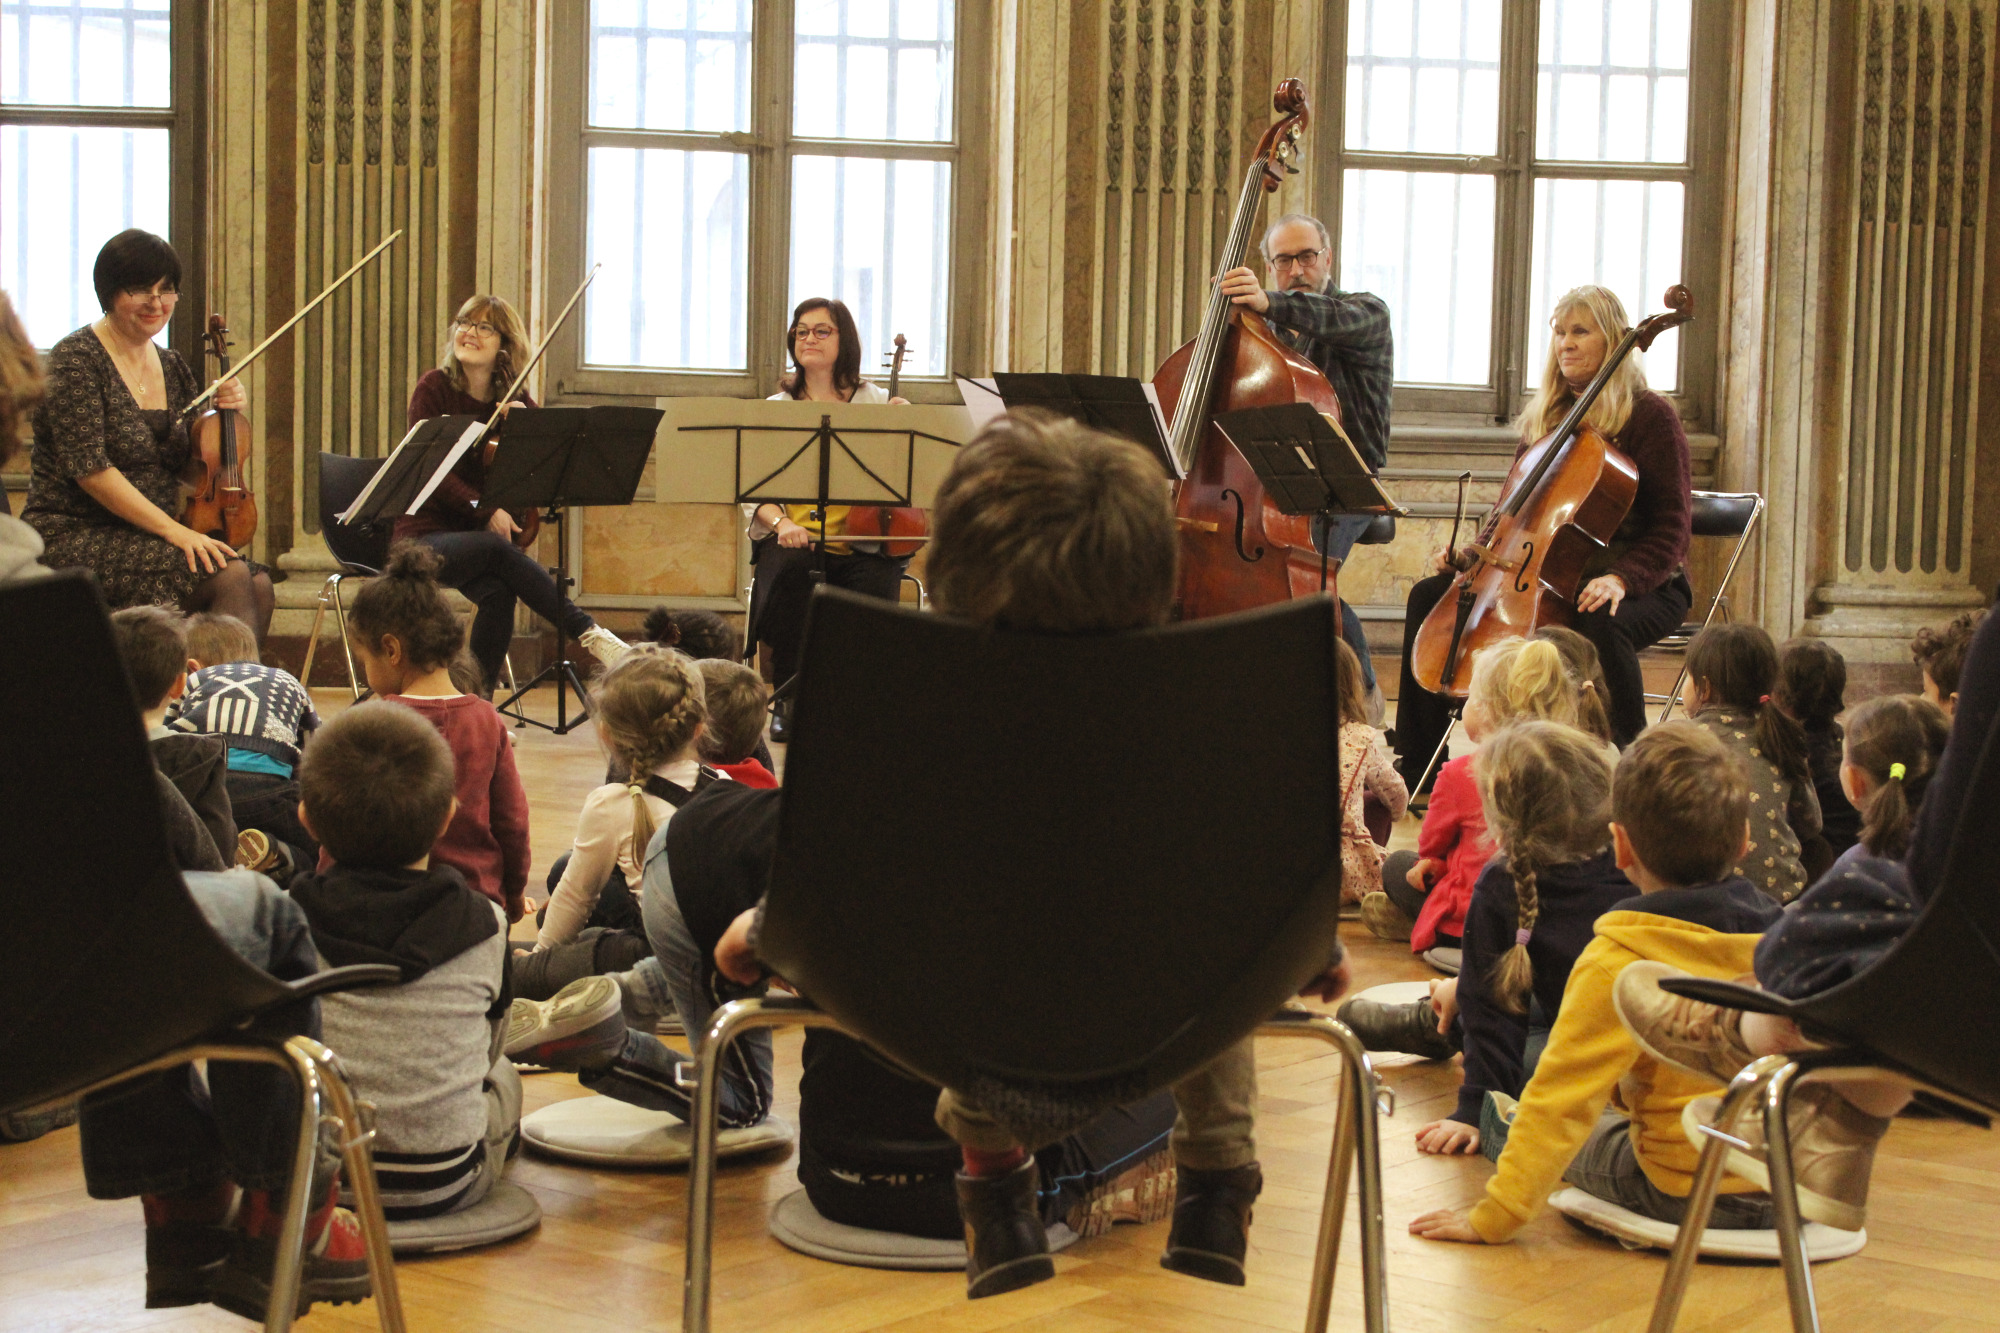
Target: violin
222	506
1238	550
864	521
1561	504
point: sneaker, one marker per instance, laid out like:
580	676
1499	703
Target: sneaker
1385	920
336	1258
603	645
1005	1246
1691	1035
1411	1028
188	1237
583	1027
1833	1151
1143	1194
1211	1231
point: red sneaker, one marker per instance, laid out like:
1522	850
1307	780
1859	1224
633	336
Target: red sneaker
336	1258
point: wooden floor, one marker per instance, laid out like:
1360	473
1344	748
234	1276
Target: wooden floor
608	1256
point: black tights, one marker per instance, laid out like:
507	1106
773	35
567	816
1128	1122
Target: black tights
234	590
492	572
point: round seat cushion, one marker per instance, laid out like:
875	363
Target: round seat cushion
1643	1233
507	1211
796	1224
603	1131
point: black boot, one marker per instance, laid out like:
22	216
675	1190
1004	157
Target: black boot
1211	1230
1411	1028
1005	1246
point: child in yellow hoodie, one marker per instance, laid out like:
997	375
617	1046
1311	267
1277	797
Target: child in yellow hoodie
1600	1113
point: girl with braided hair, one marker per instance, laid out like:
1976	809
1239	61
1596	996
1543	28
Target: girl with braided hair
1546	791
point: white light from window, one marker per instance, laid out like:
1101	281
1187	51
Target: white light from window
880	70
875	234
1613	81
86	53
1423	242
1423	76
672	229
1625	235
670	64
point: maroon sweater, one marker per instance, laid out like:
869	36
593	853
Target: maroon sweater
487	840
1653	540
453	506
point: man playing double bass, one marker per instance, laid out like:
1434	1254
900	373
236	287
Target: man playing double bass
1345	334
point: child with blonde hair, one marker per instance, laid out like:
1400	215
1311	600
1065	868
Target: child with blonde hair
1365	770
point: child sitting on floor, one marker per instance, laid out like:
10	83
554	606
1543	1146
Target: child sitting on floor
1680	809
1546	791
699	634
737	700
1812	685
263	716
1732	671
152	643
1832	933
376	791
1586	668
1940	655
406	636
1365	770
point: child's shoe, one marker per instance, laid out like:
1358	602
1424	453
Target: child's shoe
1143	1194
1385	920
1693	1035
336	1258
1005	1246
1211	1231
1833	1151
1411	1028
605	646
583	1027
188	1236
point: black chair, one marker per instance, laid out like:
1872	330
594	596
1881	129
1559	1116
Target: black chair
1714	514
1381	530
1087	864
361	548
1888	1019
112	970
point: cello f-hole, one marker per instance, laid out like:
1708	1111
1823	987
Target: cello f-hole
1229	493
1521	570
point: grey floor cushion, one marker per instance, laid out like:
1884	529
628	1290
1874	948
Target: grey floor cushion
603	1131
1643	1233
507	1211
795	1223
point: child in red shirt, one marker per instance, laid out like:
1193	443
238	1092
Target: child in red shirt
406	636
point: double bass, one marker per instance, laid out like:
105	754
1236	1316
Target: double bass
222	505
1562	502
891	520
1238	550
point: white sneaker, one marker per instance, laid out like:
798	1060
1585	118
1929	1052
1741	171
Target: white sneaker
605	646
582	1026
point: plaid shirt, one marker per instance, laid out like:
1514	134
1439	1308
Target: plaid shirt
1347	335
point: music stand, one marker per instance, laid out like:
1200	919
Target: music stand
413	469
1305	465
553	459
1113	403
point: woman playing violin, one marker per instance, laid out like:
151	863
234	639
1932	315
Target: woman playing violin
486	347
1634	592
112	450
825	349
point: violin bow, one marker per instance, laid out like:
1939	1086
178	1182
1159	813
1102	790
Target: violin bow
543	346
285	327
1458	520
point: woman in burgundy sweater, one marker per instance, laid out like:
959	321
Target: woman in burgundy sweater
1635	592
477	542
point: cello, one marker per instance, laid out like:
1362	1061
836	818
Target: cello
890	520
221	506
1562	502
1238	550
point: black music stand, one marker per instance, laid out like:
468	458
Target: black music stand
555	458
419	459
1306	466
1112	403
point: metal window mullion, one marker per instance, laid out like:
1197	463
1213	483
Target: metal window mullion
926	150
1449	164
1614	171
89	117
690	141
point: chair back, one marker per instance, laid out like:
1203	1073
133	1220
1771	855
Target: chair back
1723	513
1381	530
109	961
1927	1002
362	547
1058	860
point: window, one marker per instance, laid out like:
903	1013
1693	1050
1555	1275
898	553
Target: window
736	156
1492	154
100	130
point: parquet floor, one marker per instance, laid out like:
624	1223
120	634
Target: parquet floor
608	1256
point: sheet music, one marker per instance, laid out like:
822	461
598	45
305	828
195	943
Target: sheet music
1153	401
465	441
982	403
347	515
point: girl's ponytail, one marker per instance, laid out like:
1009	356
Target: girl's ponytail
1514	974
1736	665
649	708
1896	741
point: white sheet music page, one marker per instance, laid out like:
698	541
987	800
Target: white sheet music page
347	515
465	441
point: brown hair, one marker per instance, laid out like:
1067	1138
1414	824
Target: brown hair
214	638
1812	682
1736	667
1546	789
377	784
1940	650
736	698
649	707
506	321
1353	697
152	643
1896	731
1683	799
407	602
1044	524
20	379
846	362
1587	669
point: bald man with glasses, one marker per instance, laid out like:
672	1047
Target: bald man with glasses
1345	334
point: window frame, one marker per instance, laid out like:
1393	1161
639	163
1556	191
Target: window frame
186	122
770	147
1515	169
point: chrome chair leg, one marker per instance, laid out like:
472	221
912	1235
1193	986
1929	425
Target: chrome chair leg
319	619
346	648
1785	1200
290	1263
357	1153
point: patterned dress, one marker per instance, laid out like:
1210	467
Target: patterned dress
1782	810
89	421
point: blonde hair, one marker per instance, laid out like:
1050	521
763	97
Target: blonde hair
214	638
495	310
649	709
20	379
1553	397
1521	679
1546	789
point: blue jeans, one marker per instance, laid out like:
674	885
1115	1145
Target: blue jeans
684	982
168	1132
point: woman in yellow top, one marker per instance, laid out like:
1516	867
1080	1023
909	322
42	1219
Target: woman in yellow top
825	350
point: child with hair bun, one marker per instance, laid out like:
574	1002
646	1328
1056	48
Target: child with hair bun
407	635
1732	674
1812	688
1546	792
